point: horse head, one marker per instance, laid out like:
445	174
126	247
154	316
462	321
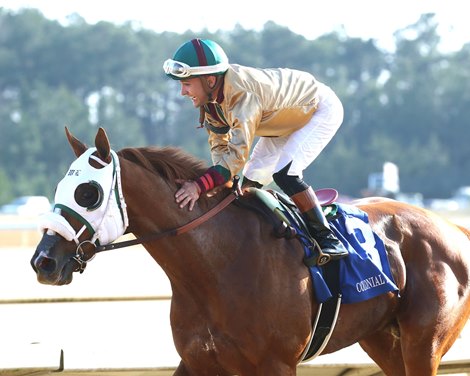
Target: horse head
89	210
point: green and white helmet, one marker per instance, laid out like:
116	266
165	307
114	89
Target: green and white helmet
197	57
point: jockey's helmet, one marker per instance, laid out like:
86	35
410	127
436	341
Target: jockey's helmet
198	57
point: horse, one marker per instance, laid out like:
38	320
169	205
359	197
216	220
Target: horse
242	299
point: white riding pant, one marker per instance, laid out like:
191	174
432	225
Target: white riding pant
271	154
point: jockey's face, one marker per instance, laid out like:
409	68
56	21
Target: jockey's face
196	89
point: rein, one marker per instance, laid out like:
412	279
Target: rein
173	232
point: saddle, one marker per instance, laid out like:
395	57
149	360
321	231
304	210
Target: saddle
285	212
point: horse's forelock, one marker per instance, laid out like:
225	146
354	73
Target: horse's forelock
169	162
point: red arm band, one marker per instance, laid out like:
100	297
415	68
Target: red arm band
213	177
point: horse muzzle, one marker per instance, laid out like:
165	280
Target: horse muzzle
49	269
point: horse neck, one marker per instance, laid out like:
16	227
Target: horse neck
152	209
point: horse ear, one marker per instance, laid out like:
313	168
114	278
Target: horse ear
102	144
78	147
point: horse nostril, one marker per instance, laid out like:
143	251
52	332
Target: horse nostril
45	264
33	265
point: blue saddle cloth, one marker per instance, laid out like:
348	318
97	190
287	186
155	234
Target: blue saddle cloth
365	273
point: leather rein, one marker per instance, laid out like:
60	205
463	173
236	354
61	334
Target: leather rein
173	232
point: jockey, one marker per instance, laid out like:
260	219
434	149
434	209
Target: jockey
293	114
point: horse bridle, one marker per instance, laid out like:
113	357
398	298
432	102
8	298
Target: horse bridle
80	254
115	202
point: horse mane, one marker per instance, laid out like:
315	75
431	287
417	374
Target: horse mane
465	230
169	162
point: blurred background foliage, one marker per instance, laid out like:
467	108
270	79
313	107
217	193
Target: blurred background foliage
410	106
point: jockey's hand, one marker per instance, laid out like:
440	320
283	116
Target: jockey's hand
188	194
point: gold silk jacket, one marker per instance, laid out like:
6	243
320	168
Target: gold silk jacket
257	102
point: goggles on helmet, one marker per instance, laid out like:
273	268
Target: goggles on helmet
182	70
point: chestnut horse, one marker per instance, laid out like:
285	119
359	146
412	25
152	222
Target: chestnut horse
242	299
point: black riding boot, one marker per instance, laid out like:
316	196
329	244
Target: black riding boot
331	247
247	183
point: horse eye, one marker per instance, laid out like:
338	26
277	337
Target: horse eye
89	195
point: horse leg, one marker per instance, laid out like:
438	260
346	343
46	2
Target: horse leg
210	370
181	370
272	367
428	331
432	316
421	350
401	352
384	348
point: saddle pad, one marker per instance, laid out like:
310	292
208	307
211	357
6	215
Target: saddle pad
365	273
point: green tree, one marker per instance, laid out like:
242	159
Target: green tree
409	106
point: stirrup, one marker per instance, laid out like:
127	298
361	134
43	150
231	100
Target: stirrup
320	258
325	258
